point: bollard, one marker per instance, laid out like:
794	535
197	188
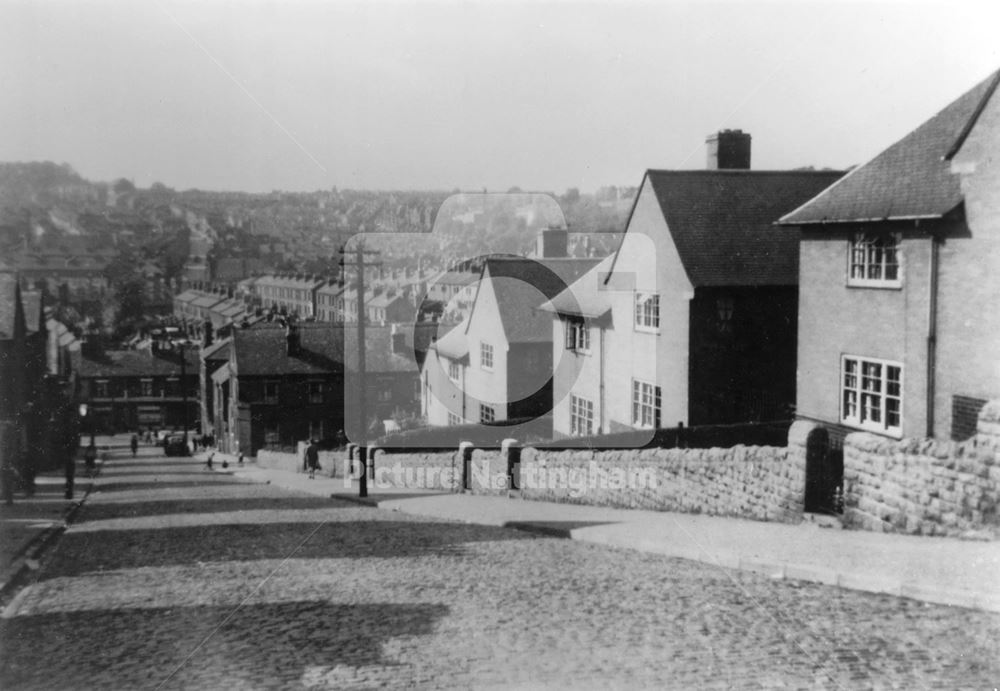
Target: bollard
465	453
511	449
351	452
362	472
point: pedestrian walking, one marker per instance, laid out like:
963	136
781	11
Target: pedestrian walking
69	468
134	444
208	461
90	458
239	461
312	458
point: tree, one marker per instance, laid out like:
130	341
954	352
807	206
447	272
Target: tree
122	186
130	307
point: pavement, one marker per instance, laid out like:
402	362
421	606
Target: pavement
31	523
948	571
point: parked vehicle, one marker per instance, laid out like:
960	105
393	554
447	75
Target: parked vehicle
175	445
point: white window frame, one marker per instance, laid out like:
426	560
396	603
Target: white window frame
487	414
101	388
146	387
870	397
581	416
453	419
870	260
454	370
646	313
316	396
577	336
277	391
647	404
486	355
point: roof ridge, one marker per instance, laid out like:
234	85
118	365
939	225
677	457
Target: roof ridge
744	171
974	118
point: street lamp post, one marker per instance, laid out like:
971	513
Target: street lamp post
184	398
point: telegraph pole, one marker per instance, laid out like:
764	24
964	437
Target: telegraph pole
359	263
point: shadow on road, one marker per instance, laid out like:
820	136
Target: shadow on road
107	550
260	646
103	511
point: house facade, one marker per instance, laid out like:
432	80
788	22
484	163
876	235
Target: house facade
127	390
898	333
275	385
693	320
497	364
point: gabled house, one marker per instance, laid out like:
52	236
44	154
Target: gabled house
693	319
276	386
497	364
900	272
279	385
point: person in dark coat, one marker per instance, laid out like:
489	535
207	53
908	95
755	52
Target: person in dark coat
134	444
312	458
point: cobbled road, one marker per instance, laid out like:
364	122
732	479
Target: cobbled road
176	577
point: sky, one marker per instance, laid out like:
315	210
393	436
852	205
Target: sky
301	96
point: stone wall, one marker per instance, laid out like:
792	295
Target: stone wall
925	486
757	482
417	470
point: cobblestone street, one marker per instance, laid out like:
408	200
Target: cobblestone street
176	577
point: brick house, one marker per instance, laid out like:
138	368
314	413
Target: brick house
137	389
693	319
898	327
278	385
497	364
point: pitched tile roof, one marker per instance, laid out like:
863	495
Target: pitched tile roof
379	354
454	343
584	297
138	363
323	349
522	285
911	179
722	222
220	350
263	351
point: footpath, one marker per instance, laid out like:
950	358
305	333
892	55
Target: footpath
945	571
31	523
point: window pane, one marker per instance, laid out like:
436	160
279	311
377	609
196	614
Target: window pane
850	404
892	412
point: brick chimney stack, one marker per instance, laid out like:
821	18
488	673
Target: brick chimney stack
728	150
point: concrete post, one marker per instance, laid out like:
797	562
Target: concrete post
511	450
465	453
